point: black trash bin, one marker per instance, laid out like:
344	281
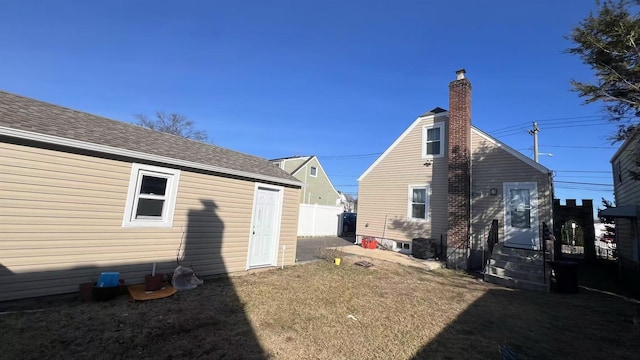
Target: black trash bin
564	278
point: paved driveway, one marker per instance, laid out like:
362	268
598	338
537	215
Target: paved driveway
309	248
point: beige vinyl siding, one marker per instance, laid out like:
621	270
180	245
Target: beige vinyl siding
61	223
383	192
491	167
319	189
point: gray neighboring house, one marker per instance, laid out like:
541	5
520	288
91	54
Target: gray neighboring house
627	198
81	194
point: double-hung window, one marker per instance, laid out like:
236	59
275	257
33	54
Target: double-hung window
418	207
433	140
151	198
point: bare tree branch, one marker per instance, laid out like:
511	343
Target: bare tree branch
176	124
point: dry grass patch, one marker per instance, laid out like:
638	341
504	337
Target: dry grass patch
323	311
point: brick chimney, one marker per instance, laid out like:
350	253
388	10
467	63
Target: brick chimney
459	164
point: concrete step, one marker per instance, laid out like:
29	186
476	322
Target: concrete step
517	265
517	252
516	283
515	274
517	259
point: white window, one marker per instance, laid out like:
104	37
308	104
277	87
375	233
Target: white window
152	196
314	171
418	207
433	140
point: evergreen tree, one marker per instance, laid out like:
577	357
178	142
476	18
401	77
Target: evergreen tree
609	43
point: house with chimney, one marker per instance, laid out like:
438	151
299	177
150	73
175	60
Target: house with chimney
478	203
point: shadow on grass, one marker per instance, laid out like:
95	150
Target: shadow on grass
604	275
584	325
203	323
579	326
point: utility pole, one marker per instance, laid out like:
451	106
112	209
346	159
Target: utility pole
534	132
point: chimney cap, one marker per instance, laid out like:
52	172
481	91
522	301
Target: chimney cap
460	74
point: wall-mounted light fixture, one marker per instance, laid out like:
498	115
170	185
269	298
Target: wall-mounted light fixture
493	191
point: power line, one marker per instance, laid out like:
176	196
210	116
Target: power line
583	176
583	171
518	129
578	147
522	130
519	125
571	118
581	183
572	126
592	118
334	157
555	125
564	187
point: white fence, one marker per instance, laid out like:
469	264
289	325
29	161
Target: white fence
318	220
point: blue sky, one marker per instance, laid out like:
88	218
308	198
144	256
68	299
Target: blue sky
337	79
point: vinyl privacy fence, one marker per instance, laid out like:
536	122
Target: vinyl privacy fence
319	220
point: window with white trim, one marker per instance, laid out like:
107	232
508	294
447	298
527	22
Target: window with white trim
418	207
433	140
152	195
314	171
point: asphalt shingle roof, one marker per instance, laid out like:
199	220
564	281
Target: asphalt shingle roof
22	113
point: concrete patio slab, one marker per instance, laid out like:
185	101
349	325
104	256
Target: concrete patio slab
389	255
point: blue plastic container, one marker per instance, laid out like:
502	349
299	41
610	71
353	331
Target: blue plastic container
108	279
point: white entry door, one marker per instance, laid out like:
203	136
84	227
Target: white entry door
263	245
521	215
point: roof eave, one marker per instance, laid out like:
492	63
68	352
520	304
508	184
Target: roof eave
426	116
83	145
629	211
625	144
